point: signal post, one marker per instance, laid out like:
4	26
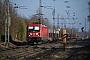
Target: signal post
64	37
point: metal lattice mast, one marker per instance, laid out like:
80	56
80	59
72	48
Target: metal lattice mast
58	22
40	11
85	24
89	6
53	18
89	14
7	23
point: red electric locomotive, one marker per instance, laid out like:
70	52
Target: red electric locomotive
37	33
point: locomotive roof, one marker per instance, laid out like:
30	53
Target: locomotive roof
44	25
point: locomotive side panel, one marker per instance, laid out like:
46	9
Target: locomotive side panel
44	33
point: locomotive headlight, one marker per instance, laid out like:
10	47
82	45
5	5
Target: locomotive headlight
36	33
30	33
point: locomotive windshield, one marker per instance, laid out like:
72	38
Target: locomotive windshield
34	28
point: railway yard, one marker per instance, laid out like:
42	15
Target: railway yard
47	51
44	30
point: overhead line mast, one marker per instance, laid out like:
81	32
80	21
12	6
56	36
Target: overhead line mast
58	22
40	11
89	14
7	23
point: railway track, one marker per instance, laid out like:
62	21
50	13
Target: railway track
23	52
37	51
19	53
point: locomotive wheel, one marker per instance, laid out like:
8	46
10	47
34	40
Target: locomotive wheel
42	41
37	42
31	42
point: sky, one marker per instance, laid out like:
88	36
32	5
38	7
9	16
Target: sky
78	9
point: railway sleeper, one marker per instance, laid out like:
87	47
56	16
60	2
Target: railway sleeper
22	55
30	55
17	55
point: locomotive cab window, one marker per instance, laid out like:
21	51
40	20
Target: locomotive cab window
34	28
31	27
